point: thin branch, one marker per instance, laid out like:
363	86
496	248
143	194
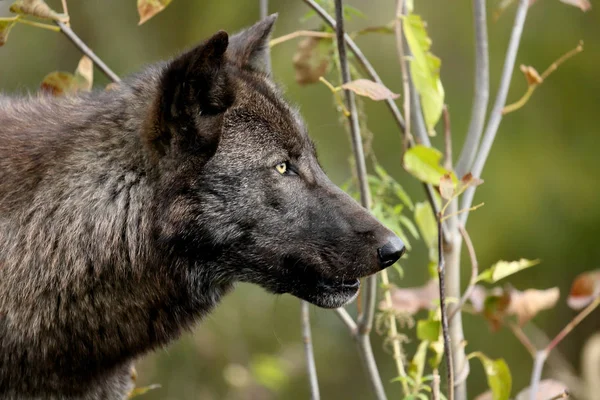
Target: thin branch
65	8
308	349
264	12
347	320
444	311
87	51
365	319
447	139
38	24
496	115
474	272
403	69
482	90
522	337
435	386
574	322
297	34
393	334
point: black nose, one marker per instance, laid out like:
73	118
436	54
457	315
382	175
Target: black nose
391	252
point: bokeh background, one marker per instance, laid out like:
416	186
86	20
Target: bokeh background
541	192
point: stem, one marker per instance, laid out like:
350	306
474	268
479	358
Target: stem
264	12
297	34
403	68
519	334
474	271
574	322
435	385
310	357
347	320
39	25
536	375
87	51
496	115
394	333
65	8
365	319
482	90
443	310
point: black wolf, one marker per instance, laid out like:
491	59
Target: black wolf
125	215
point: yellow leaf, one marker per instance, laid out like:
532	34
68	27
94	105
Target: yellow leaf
370	89
38	9
6	25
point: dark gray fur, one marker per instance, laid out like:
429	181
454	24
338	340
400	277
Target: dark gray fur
126	215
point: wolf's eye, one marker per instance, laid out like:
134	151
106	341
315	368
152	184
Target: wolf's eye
282	168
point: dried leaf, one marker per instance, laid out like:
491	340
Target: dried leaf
311	60
85	73
38	9
446	187
583	5
547	389
526	305
498	376
6	25
385	29
424	163
59	83
532	76
149	8
585	288
412	300
425	70
112	86
497	304
502	269
370	89
468	181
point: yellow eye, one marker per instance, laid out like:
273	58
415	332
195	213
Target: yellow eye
281	168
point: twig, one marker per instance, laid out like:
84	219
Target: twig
532	86
522	337
444	312
447	139
65	8
308	348
474	272
496	115
365	319
542	355
297	34
482	90
264	12
38	25
87	51
347	320
464	210
393	334
563	395
403	69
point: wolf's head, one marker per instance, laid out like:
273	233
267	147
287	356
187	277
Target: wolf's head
241	189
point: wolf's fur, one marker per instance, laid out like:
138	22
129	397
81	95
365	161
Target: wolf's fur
125	215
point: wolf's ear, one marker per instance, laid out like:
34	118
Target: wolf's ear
193	84
249	48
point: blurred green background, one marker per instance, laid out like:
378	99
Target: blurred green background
541	192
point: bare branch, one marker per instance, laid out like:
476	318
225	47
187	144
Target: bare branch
87	51
447	139
365	319
444	312
496	115
347	320
308	350
297	34
482	90
536	375
474	272
264	12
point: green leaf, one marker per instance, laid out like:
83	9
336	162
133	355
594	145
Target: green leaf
417	365
498	376
142	390
38	9
424	163
428	330
425	70
437	348
6	25
402	195
149	8
502	269
428	226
